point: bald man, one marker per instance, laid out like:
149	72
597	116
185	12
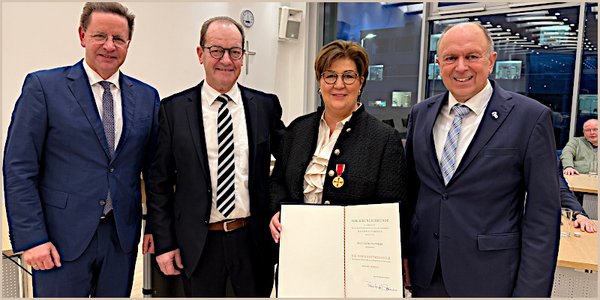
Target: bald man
580	152
475	152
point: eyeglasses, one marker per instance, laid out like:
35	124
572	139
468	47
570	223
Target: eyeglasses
348	77
101	38
591	130
217	52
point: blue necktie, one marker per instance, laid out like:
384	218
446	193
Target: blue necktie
226	163
108	121
448	161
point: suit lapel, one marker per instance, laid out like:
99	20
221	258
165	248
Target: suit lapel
194	117
250	111
128	105
433	110
80	88
500	107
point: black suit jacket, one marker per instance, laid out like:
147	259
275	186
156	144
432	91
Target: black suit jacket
372	151
180	186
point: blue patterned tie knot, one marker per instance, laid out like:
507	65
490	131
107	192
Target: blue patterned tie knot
448	160
461	110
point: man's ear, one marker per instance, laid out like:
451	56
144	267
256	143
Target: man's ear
81	36
200	53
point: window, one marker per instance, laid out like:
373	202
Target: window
391	35
587	107
536	57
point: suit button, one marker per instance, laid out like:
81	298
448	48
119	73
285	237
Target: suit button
336	152
111	170
331	173
326	202
436	235
348	129
102	202
444	196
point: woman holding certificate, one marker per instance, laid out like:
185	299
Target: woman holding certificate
341	154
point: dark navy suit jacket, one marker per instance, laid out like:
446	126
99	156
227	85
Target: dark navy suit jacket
57	168
491	239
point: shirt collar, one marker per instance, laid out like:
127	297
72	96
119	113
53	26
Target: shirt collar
342	122
477	103
94	77
212	94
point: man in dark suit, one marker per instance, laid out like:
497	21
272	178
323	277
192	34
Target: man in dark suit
208	189
78	140
476	152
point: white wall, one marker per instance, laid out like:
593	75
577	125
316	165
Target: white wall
42	35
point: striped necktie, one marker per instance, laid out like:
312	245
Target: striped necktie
226	163
448	160
108	121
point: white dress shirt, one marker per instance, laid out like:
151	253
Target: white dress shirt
94	79
470	123
210	110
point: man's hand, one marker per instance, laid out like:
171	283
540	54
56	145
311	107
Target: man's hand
148	244
570	171
275	227
42	257
585	224
168	261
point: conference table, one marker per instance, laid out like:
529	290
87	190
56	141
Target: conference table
584	183
577	266
587	184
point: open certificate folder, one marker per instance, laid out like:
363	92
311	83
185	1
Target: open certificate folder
330	251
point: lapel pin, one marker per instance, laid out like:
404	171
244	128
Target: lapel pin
495	114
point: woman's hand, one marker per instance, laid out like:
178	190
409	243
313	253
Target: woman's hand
275	227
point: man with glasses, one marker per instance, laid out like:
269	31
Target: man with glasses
580	152
78	140
210	178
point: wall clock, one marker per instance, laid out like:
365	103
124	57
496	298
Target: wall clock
247	18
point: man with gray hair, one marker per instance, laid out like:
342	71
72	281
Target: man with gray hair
208	203
475	152
78	140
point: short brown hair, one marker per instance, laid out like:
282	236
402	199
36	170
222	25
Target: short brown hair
220	19
339	49
106	7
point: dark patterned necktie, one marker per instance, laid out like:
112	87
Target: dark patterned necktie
226	163
108	121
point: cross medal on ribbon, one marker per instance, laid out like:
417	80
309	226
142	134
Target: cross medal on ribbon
338	181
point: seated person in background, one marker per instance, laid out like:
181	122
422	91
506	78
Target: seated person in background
340	154
581	151
568	200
